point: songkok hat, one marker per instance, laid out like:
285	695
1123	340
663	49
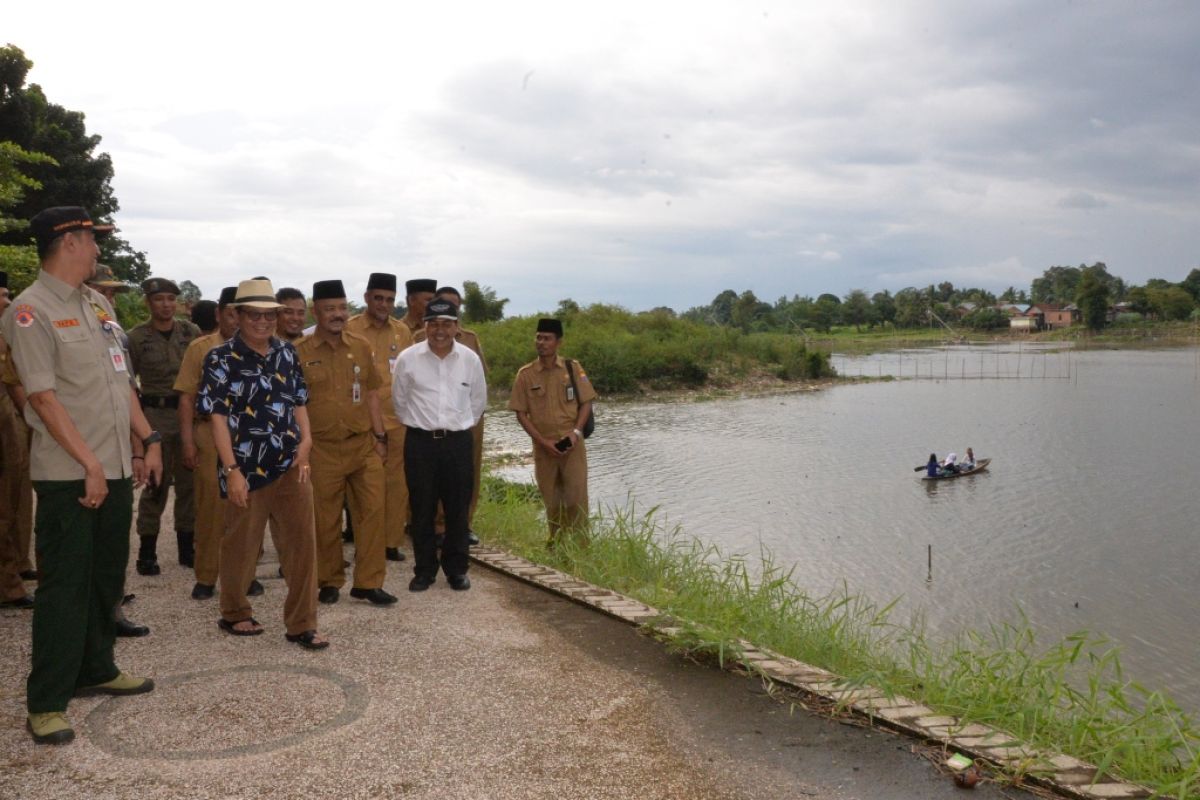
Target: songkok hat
159	286
381	280
328	290
52	223
227	297
255	293
420	285
550	326
440	309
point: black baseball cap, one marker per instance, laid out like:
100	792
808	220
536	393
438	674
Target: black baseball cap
51	223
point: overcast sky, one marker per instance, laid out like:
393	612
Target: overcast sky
644	153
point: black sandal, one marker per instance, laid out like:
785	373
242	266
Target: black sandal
307	640
228	627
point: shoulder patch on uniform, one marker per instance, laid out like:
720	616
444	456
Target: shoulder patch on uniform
23	314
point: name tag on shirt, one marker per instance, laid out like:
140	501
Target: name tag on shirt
118	359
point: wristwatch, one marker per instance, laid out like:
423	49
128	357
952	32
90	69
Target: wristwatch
154	438
227	471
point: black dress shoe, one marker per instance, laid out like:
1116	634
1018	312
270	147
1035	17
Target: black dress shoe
127	628
419	584
19	602
255	588
29	575
202	591
394	554
328	595
377	596
148	566
472	539
459	583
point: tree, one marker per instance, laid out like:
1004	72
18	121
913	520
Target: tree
566	308
1192	284
1058	285
14	182
189	293
747	310
72	174
1092	299
722	307
480	304
1173	302
912	308
856	310
1139	300
883	306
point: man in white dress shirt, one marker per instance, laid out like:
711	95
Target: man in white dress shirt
439	393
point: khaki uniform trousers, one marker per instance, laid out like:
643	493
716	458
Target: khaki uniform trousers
210	507
288	504
347	471
16	507
563	484
395	489
154	501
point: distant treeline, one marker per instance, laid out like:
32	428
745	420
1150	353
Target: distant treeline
1093	289
625	352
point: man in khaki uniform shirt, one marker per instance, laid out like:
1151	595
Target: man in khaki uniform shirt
16	512
349	445
156	349
199	453
87	451
470	340
553	415
387	336
417	294
292	313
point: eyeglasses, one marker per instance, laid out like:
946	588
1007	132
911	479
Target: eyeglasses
255	316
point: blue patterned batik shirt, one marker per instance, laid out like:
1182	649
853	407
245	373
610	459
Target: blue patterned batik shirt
257	395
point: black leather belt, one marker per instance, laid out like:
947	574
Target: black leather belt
170	401
440	433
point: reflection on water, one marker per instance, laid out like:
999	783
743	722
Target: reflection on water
1086	517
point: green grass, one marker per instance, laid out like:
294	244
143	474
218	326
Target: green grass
1069	696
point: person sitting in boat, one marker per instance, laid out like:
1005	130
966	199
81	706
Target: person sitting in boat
950	465
932	468
969	460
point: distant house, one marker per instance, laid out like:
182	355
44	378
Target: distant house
962	309
1012	309
1032	319
1058	316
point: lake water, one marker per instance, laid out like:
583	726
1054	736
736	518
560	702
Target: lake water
1087	518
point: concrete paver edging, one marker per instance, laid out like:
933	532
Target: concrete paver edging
1061	773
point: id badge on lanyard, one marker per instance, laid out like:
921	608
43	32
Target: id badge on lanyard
356	388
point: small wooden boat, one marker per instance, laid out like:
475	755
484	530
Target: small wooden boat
980	466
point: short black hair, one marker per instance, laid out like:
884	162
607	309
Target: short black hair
288	293
204	315
448	290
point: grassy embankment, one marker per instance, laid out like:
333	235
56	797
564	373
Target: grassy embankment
1069	696
626	353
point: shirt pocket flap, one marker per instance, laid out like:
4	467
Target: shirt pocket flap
75	333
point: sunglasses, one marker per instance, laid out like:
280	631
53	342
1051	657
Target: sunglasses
255	316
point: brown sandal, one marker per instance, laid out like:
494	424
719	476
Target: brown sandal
229	627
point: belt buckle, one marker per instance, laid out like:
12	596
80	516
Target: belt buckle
440	433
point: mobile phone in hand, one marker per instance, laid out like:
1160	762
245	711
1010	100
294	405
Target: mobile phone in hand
562	444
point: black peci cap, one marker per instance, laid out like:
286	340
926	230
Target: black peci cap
381	280
328	290
228	295
546	325
420	285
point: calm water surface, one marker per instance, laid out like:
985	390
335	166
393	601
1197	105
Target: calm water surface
1086	519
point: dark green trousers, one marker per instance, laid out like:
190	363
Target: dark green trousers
82	554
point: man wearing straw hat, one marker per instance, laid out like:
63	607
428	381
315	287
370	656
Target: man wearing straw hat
254	391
